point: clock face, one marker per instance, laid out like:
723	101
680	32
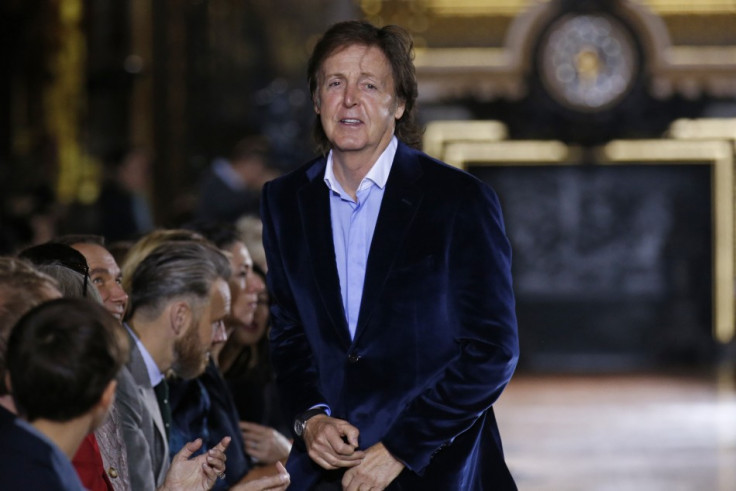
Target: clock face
588	62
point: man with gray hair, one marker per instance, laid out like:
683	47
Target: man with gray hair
179	297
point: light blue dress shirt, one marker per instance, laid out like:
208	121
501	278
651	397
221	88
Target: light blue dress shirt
353	223
154	374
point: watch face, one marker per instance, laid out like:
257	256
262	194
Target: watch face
299	427
588	62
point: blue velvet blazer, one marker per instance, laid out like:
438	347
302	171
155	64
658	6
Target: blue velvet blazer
436	339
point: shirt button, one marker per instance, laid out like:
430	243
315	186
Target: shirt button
353	358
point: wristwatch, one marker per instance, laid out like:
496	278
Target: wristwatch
301	421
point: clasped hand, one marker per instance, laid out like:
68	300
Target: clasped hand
333	443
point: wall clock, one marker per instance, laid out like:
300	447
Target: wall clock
588	62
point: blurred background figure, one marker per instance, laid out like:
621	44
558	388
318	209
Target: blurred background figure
231	187
123	206
27	217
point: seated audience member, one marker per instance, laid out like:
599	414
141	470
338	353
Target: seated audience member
204	405
59	255
178	298
135	260
246	364
143	247
250	228
22	287
170	325
104	272
62	359
105	276
100	459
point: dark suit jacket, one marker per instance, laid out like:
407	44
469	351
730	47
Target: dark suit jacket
436	339
30	462
203	408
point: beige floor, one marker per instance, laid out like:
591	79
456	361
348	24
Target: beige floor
648	432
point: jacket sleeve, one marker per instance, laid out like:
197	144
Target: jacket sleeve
291	355
481	302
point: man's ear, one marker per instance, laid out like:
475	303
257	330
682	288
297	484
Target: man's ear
399	111
316	102
108	395
180	316
102	408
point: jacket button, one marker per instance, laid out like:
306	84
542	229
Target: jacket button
112	472
353	358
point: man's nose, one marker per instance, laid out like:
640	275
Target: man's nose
351	96
118	294
220	335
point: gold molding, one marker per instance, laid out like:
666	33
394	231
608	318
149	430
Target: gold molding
494	72
516	152
718	154
473	8
438	133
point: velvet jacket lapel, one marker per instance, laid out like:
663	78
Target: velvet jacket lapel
314	201
400	202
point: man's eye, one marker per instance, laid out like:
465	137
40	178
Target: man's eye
97	281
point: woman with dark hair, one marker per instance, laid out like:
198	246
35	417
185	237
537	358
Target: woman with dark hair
245	362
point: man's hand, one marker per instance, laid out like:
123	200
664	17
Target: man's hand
277	482
332	442
199	472
376	471
264	444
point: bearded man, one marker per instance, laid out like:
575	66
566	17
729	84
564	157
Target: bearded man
179	297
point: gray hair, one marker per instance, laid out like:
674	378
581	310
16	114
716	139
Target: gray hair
71	284
174	270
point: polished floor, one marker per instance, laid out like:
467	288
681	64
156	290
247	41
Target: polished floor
648	432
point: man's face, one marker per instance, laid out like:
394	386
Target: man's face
192	350
104	273
356	101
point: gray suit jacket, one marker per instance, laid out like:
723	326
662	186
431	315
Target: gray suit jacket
112	448
143	428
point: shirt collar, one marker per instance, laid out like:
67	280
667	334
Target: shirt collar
154	374
378	174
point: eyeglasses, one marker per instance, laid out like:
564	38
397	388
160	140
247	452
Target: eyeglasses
82	269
